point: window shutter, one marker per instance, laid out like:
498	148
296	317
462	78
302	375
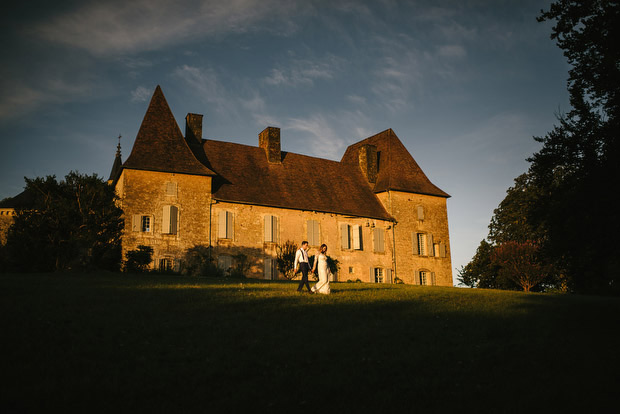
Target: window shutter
313	233
229	225
388	275
414	238
268	230
433	278
221	228
418	280
174	217
378	240
136	222
372	275
429	240
344	236
171	189
442	250
274	229
165	225
420	213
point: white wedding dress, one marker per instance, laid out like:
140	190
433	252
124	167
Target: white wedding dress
322	285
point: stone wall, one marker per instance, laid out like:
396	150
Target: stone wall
148	194
433	222
248	237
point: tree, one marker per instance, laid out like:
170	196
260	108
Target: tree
71	224
286	259
579	159
482	272
520	262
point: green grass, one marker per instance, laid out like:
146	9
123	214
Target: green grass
104	342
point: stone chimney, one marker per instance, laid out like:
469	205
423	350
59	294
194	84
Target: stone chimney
368	162
193	128
269	140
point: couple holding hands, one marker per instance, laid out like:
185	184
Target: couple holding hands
320	263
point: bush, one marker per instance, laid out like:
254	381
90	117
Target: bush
138	261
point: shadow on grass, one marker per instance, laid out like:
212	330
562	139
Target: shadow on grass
183	344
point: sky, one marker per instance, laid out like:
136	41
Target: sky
465	85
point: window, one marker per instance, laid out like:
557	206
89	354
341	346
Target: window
166	265
350	269
356	233
378	243
313	233
225	225
271	229
141	223
378	275
420	213
421	244
171	189
270	269
170	220
426	278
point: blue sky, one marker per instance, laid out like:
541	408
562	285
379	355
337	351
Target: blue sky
464	84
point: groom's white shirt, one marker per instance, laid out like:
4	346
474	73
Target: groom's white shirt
300	257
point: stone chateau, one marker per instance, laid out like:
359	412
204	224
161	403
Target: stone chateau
376	210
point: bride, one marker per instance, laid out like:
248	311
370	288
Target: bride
320	261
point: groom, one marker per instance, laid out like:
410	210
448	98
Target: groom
301	264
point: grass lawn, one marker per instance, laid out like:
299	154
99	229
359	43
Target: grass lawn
108	342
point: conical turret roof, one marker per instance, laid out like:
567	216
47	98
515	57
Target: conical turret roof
160	146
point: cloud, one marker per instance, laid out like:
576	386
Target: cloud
112	27
304	72
140	94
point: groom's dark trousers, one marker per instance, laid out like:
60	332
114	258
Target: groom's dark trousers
304	268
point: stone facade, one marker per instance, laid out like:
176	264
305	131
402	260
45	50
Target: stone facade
379	215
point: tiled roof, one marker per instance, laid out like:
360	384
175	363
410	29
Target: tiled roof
298	182
397	169
160	146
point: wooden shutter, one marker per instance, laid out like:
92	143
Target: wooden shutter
420	213
274	229
174	217
388	275
372	275
313	233
136	222
165	225
442	249
229	225
414	238
268	230
221	227
429	241
344	236
378	240
433	278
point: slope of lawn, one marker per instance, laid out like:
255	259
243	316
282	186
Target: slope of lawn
106	342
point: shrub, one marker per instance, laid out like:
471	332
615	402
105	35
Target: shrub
138	261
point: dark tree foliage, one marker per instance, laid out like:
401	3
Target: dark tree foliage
138	261
521	263
482	272
577	170
71	224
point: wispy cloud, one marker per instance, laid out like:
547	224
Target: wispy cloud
140	94
304	72
119	26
